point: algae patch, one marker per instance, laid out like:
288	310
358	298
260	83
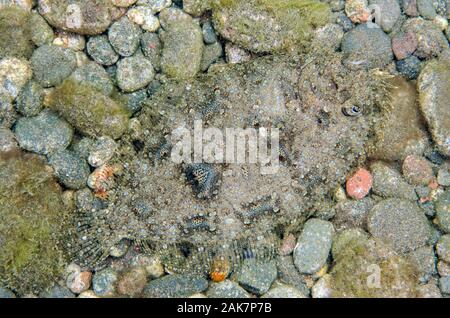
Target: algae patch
15	33
32	224
90	111
269	25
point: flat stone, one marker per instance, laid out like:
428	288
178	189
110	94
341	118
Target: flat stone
226	289
257	277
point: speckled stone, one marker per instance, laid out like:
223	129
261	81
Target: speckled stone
43	134
257	277
99	48
134	73
313	246
124	36
226	289
175	286
71	170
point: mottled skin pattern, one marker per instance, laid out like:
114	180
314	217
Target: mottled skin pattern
155	202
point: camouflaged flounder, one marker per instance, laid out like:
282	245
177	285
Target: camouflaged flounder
193	213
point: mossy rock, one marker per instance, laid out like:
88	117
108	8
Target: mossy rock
269	25
358	263
90	111
32	224
15	32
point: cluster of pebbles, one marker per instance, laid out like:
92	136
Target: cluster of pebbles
76	76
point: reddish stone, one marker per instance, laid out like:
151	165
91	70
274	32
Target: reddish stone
403	45
417	170
359	184
287	245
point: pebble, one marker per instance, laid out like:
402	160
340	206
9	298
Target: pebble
226	289
426	9
14	74
330	35
430	39
425	260
124	36
41	33
234	54
409	67
389	13
444	284
434	93
196	8
135	99
71	170
443	268
359	184
57	291
158	5
442	206
443	176
175	286
132	282
123	3
6	293
357	10
8	114
144	17
209	35
183	49
400	223
120	249
283	291
94	75
443	248
322	288
344	238
257	276
366	46
43	134
417	170
404	45
211	53
88	294
152	265
428	291
102	150
99	48
288	273
410	7
134	73
344	22
151	48
83	146
442	23
68	40
79	16
313	246
8	141
103	282
78	281
29	101
352	213
287	245
51	64
388	182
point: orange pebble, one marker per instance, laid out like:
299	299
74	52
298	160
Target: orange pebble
359	184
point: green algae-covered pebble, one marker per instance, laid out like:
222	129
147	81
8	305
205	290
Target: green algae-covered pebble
15	32
32	225
90	111
269	25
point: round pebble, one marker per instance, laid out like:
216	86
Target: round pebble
99	48
226	289
71	170
144	17
399	223
389	13
132	282
102	150
79	281
359	184
51	64
257	277
409	67
43	134
417	170
103	282
313	246
209	35
29	101
124	36
283	291
388	182
134	73
14	74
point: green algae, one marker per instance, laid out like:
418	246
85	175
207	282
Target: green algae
91	112
15	33
32	224
357	265
270	25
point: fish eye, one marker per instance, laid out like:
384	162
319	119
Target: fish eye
352	111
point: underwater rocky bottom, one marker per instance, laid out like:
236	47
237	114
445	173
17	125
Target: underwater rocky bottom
100	197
